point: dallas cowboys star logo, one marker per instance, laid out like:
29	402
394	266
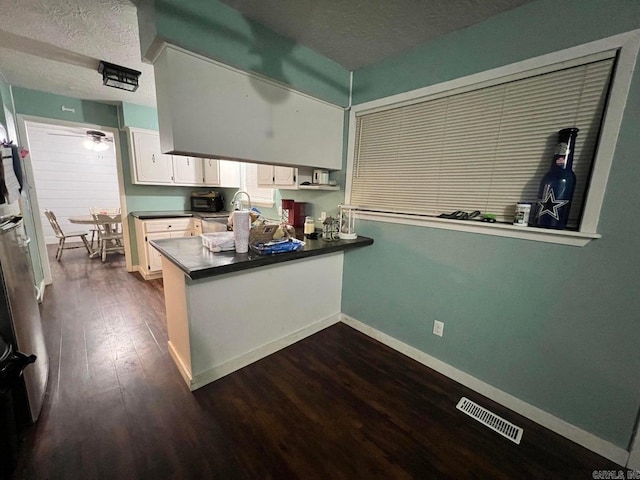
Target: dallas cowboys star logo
548	205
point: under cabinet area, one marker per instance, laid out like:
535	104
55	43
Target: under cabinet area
149	259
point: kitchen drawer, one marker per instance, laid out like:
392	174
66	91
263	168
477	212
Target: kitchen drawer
167	225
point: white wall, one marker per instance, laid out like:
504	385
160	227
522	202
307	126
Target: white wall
69	179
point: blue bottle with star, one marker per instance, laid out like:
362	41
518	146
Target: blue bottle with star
558	184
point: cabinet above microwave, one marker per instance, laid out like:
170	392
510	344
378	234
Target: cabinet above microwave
207	109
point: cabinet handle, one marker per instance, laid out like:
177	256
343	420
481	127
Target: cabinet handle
187	161
153	157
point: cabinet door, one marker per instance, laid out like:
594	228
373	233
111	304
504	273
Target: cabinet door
187	170
151	166
211	169
153	256
265	176
197	227
284	176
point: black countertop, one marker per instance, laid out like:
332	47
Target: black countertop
190	256
177	214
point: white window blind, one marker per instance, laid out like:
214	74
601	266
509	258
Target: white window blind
483	149
259	196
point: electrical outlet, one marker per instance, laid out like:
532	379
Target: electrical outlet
438	328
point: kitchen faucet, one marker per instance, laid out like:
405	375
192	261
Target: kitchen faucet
237	205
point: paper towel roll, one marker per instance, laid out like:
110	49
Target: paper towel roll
241	226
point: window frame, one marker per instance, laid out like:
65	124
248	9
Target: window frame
250	189
628	45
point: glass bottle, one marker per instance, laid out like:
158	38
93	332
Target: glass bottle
558	184
309	226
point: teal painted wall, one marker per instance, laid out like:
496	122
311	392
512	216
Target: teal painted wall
49	105
139	116
217	31
555	326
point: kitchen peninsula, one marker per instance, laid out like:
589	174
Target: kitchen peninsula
226	310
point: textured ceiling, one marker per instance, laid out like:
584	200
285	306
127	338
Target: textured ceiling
355	33
55	45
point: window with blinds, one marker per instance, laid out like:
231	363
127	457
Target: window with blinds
480	149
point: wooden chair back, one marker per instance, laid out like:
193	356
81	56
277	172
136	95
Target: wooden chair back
104	211
54	223
108	225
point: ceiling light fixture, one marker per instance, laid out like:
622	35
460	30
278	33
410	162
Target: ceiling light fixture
118	77
95	145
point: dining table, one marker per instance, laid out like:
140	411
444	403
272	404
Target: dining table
89	220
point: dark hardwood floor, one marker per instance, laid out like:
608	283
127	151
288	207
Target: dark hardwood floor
337	405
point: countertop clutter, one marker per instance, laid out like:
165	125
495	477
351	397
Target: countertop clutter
197	262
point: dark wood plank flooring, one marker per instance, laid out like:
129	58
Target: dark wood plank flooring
337	405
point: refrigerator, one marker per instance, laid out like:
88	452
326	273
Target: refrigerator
20	323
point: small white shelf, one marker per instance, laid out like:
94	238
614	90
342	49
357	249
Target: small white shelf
319	187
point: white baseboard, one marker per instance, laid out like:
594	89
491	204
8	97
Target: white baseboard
182	368
144	274
553	423
243	360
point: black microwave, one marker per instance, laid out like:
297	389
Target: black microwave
207	202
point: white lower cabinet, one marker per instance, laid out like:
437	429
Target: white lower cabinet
149	259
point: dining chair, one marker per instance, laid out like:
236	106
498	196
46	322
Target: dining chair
62	237
110	237
104	211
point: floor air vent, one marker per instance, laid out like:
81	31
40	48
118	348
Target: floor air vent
490	419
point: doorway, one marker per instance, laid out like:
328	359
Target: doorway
65	176
69	177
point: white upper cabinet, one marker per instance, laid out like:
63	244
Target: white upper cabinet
148	164
210	171
188	171
150	167
208	109
271	176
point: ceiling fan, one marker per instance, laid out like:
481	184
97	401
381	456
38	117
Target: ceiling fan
94	139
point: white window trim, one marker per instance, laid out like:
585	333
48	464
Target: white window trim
629	45
255	201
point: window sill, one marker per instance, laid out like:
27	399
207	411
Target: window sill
562	237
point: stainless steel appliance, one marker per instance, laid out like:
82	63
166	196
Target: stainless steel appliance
20	323
207	201
20	318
